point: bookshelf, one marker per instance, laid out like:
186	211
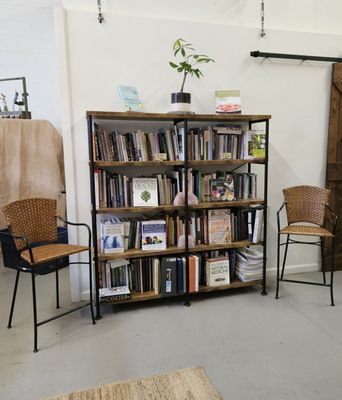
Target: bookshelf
126	122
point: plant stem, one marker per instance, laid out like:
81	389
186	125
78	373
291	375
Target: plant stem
185	74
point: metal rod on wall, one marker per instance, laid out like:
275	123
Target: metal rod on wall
302	57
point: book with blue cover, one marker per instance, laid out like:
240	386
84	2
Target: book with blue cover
153	235
130	99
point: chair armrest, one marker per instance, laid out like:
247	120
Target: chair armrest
24	239
278	215
331	218
77	224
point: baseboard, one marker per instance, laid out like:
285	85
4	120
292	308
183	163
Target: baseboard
294	269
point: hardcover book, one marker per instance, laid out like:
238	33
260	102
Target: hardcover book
217	271
222	189
153	235
228	102
113	237
168	276
130	98
219	226
145	192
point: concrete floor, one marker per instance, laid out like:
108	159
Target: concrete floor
251	346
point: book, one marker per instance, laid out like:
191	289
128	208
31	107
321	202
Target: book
222	189
112	237
145	192
219	227
228	102
119	293
258	144
130	98
168	277
254	144
258	224
153	235
217	271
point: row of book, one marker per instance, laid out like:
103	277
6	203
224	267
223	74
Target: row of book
225	143
116	190
210	143
138	145
168	276
205	227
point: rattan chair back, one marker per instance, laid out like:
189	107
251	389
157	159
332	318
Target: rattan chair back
34	218
306	204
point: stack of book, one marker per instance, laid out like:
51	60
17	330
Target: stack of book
249	263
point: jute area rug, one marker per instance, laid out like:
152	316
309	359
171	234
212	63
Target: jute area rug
184	384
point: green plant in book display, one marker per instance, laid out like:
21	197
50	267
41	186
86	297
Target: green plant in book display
188	65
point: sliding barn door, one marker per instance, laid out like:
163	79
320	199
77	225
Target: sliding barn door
334	159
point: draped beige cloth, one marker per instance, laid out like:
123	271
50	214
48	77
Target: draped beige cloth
31	162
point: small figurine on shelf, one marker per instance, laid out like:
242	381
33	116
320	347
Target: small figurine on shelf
19	103
3	99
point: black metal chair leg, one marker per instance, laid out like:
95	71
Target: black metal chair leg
322	258
332	273
278	253
34	300
13	299
91	289
57	288
285	256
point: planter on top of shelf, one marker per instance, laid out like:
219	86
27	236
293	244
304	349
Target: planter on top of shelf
180	102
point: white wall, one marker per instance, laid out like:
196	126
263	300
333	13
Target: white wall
27	48
136	50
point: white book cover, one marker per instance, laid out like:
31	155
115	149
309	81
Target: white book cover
217	271
113	237
145	192
153	235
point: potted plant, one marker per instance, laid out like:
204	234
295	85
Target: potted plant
188	65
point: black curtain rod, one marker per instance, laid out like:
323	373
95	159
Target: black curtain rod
294	56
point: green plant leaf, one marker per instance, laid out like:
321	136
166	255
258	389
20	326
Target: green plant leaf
173	65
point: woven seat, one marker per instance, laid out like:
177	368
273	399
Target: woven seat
306	230
33	227
307	205
49	252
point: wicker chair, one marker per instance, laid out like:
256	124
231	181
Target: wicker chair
308	214
33	227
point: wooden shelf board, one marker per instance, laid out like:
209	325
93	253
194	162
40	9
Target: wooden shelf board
226	204
233	285
204	205
150	295
137	163
194	163
118	210
177	117
137	253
